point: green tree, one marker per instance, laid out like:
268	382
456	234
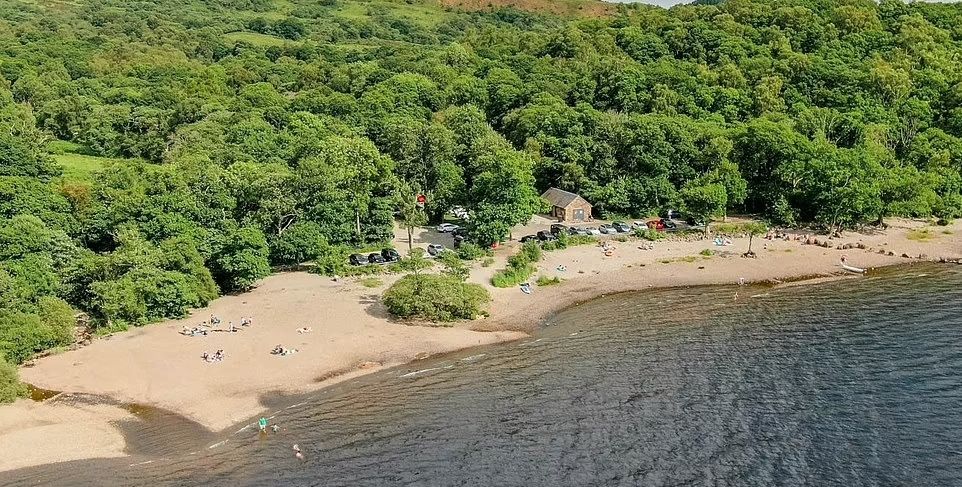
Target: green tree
704	202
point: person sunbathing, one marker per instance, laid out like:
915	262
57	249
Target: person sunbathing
305	329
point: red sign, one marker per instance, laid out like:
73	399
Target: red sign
421	200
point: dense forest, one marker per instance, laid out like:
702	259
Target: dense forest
154	154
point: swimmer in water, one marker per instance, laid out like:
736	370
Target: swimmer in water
297	452
275	428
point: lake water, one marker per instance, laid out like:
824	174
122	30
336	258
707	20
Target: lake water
849	383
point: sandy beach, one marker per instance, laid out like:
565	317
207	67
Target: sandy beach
352	333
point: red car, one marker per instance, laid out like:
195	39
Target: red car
657	225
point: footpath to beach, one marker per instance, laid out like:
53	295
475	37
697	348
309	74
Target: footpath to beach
353	335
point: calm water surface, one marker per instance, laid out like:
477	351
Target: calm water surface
849	383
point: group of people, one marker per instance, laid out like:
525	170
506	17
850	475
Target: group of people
722	242
608	248
205	327
216	357
279	350
779	235
262	424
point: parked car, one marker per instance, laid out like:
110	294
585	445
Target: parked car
558	228
577	231
607	229
390	255
658	225
592	231
621	227
447	227
375	258
669	225
460	232
546	236
357	259
529	238
435	249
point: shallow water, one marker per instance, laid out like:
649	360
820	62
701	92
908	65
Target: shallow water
856	382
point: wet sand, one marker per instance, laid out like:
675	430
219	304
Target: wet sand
353	335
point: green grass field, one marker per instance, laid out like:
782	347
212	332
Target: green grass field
76	165
256	38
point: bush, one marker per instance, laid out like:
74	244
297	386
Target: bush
512	276
519	267
453	266
435	297
548	281
10	386
649	234
487	262
707	252
470	251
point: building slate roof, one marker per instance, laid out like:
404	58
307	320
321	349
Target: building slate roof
560	197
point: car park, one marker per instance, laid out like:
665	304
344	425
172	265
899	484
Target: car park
621	227
375	258
447	227
357	259
435	249
390	255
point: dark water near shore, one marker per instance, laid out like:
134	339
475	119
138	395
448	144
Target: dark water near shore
849	383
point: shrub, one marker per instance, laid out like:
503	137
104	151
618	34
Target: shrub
512	276
707	252
649	234
574	240
10	386
470	251
519	267
487	262
453	266
554	245
435	297
548	281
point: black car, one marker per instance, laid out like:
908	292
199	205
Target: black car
375	258
390	255
529	238
558	228
460	232
577	231
357	259
546	236
621	227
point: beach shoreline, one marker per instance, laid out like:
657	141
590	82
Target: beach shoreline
353	335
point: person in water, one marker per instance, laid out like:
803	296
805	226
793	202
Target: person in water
275	428
263	424
297	452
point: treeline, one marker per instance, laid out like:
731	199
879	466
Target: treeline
246	155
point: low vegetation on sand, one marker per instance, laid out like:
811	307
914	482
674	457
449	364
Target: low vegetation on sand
520	267
548	281
921	234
